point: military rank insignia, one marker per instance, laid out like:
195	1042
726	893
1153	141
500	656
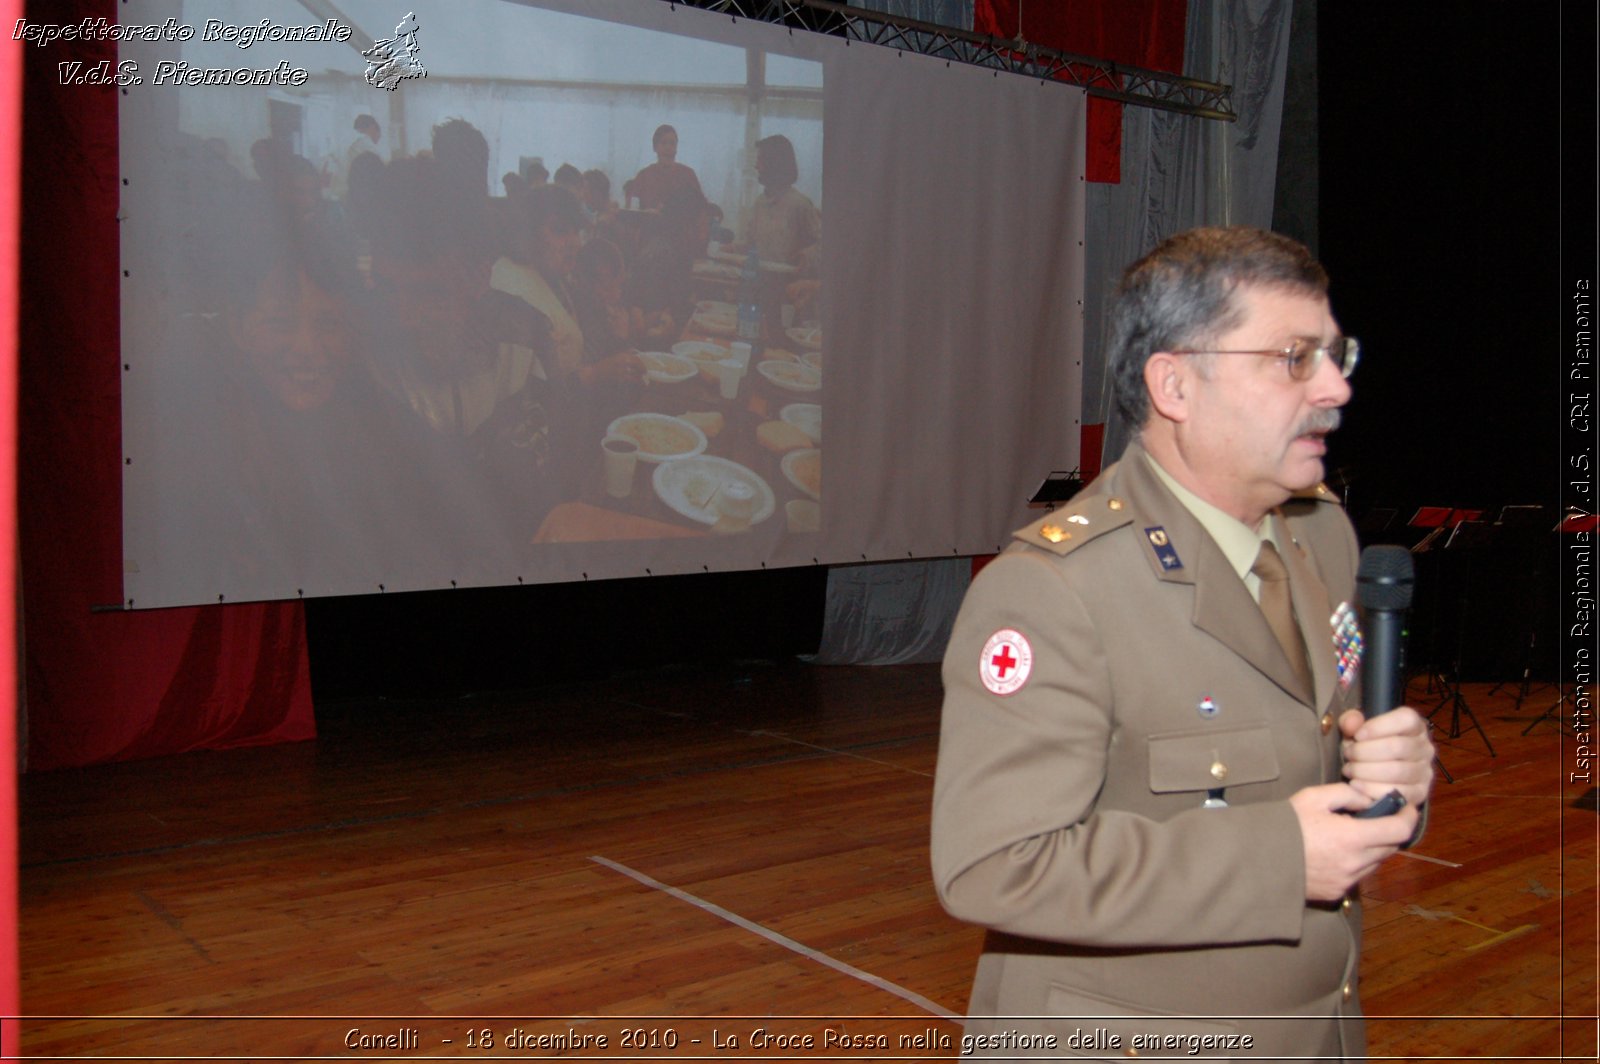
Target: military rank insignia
1348	644
1165	554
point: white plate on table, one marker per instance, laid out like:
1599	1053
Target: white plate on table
808	338
767	265
690	486
704	354
804	470
668	369
715	324
807	417
698	351
659	436
720	271
792	376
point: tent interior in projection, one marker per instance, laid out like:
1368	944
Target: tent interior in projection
356	365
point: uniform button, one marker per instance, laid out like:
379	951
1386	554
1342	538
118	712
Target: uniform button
1219	771
1327	723
1345	905
1114	504
1348	991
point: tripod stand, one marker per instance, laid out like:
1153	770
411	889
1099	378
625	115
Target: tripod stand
1464	540
1553	712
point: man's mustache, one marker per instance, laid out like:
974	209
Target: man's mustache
1321	421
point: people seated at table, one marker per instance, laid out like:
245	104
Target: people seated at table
545	231
462	152
545	236
782	224
467	360
570	178
661	281
652	186
295	186
360	202
597	299
597	199
295	467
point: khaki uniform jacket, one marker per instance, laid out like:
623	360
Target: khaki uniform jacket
1067	813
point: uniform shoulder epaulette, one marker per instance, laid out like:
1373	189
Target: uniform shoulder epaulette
1068	527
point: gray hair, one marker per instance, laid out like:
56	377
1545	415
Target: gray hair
1181	295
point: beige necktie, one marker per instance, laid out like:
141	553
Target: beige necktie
1279	613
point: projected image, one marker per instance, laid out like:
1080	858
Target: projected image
562	286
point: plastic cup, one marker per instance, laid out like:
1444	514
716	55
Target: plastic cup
729	374
735	505
621	455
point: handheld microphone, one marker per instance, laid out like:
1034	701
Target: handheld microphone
1384	582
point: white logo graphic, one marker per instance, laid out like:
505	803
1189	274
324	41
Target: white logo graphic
392	61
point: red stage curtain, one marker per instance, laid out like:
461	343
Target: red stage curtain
1146	33
10	197
111	685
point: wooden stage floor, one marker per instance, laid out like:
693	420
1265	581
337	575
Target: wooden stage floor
717	853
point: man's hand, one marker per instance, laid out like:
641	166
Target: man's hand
1340	849
1391	751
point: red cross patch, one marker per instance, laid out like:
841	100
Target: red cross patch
1006	662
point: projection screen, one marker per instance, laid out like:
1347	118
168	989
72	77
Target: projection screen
356	365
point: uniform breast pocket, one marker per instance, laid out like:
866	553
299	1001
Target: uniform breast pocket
1204	759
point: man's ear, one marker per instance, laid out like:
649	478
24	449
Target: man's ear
1167	380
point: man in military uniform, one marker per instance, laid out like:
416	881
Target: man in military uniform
1150	744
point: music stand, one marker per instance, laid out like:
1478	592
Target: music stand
1465	537
1436	523
1431	519
1059	487
1440	521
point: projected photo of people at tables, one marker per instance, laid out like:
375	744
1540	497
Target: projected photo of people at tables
657	386
473	363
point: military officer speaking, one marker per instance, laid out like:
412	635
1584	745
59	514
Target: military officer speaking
1151	743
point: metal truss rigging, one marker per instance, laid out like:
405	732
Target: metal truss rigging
1099	77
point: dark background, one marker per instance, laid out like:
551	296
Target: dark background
1439	223
1442	220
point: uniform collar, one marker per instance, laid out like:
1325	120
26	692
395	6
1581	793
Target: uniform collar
1238	542
1223	607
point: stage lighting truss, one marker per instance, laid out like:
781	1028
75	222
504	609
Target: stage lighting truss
1112	81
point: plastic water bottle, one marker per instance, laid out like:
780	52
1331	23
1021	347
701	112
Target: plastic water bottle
749	329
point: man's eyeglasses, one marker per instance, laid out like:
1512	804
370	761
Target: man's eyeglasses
1304	357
